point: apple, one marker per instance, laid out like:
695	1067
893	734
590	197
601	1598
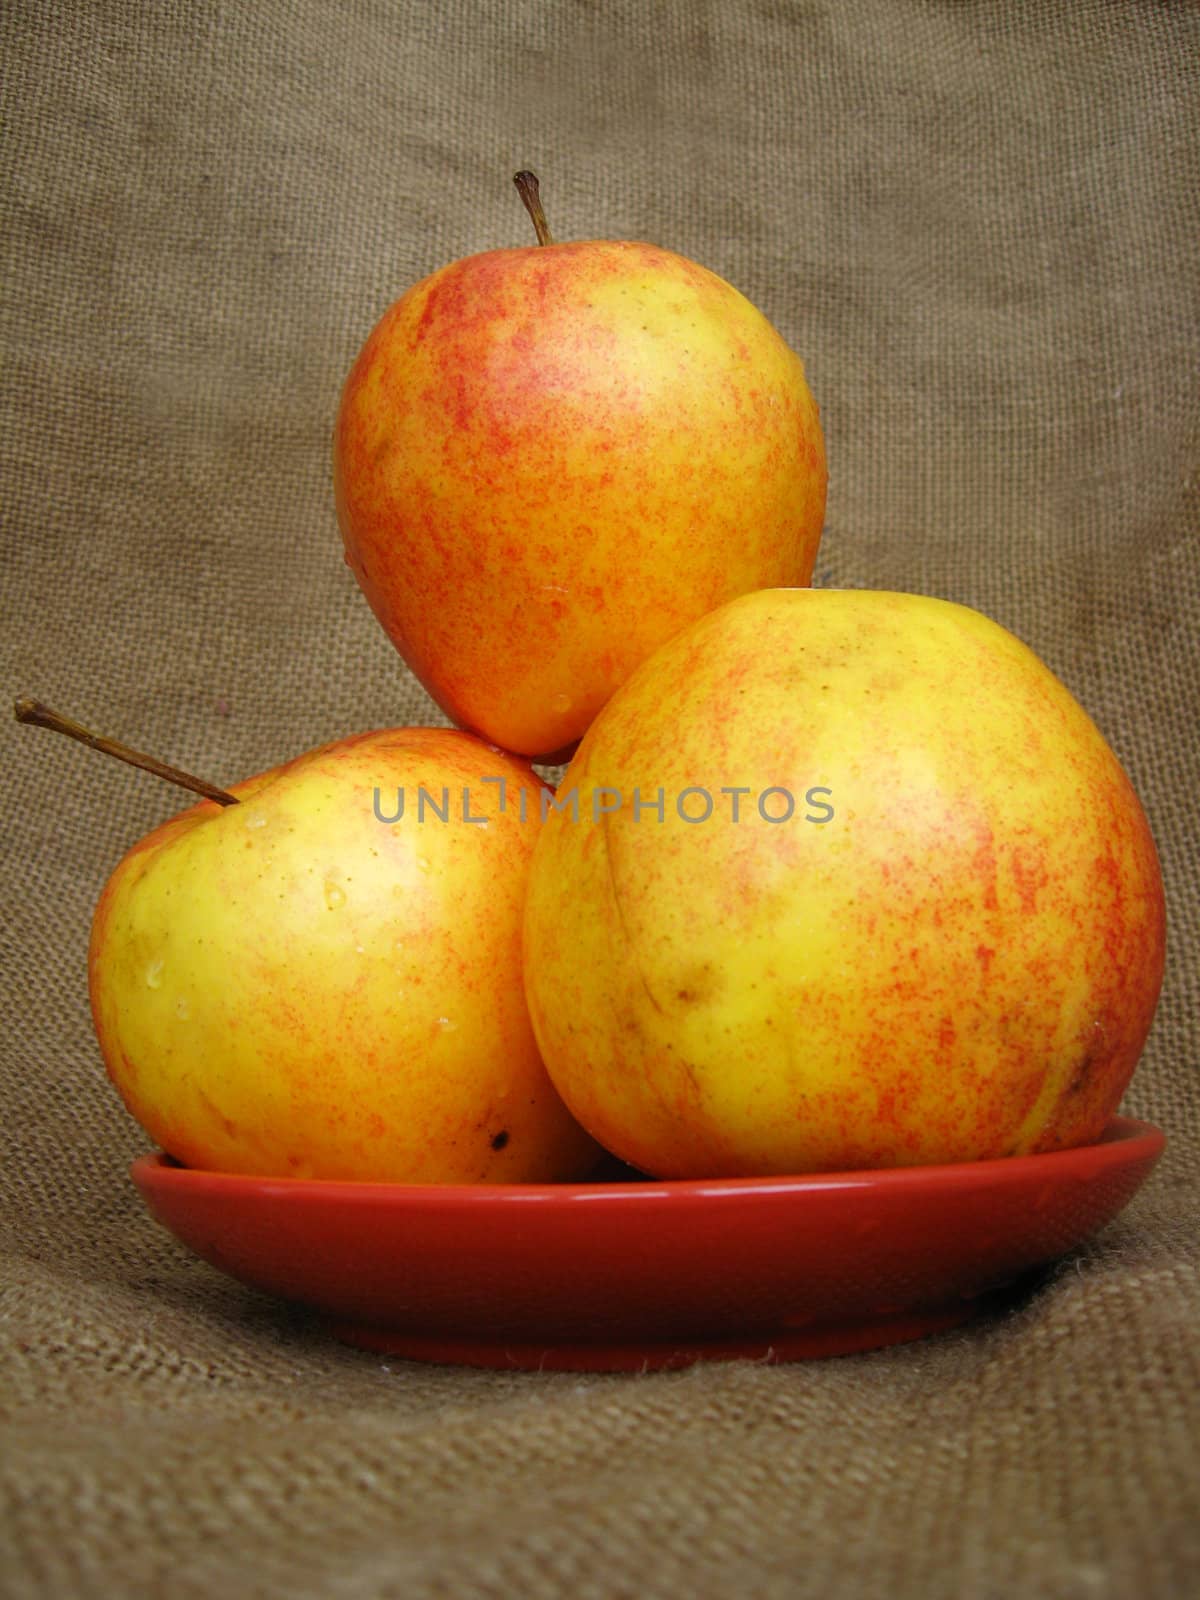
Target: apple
549	460
308	983
934	933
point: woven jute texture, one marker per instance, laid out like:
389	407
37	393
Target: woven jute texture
978	223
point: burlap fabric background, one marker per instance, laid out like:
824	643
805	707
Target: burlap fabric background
978	223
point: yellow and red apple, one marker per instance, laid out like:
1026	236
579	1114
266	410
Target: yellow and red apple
324	979
855	882
549	460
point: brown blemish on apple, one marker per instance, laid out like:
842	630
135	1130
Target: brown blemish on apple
499	1140
1082	1076
698	984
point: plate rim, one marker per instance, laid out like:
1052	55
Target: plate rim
1125	1139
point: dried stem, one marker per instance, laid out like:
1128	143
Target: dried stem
37	715
527	188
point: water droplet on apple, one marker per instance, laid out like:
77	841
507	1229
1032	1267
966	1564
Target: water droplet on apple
446	1025
182	1010
561	703
335	895
423	864
255	819
154	974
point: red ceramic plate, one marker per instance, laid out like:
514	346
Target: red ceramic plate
633	1273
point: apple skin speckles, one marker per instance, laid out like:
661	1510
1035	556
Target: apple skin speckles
310	983
963	963
547	461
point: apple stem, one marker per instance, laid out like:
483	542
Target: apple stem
37	715
527	188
